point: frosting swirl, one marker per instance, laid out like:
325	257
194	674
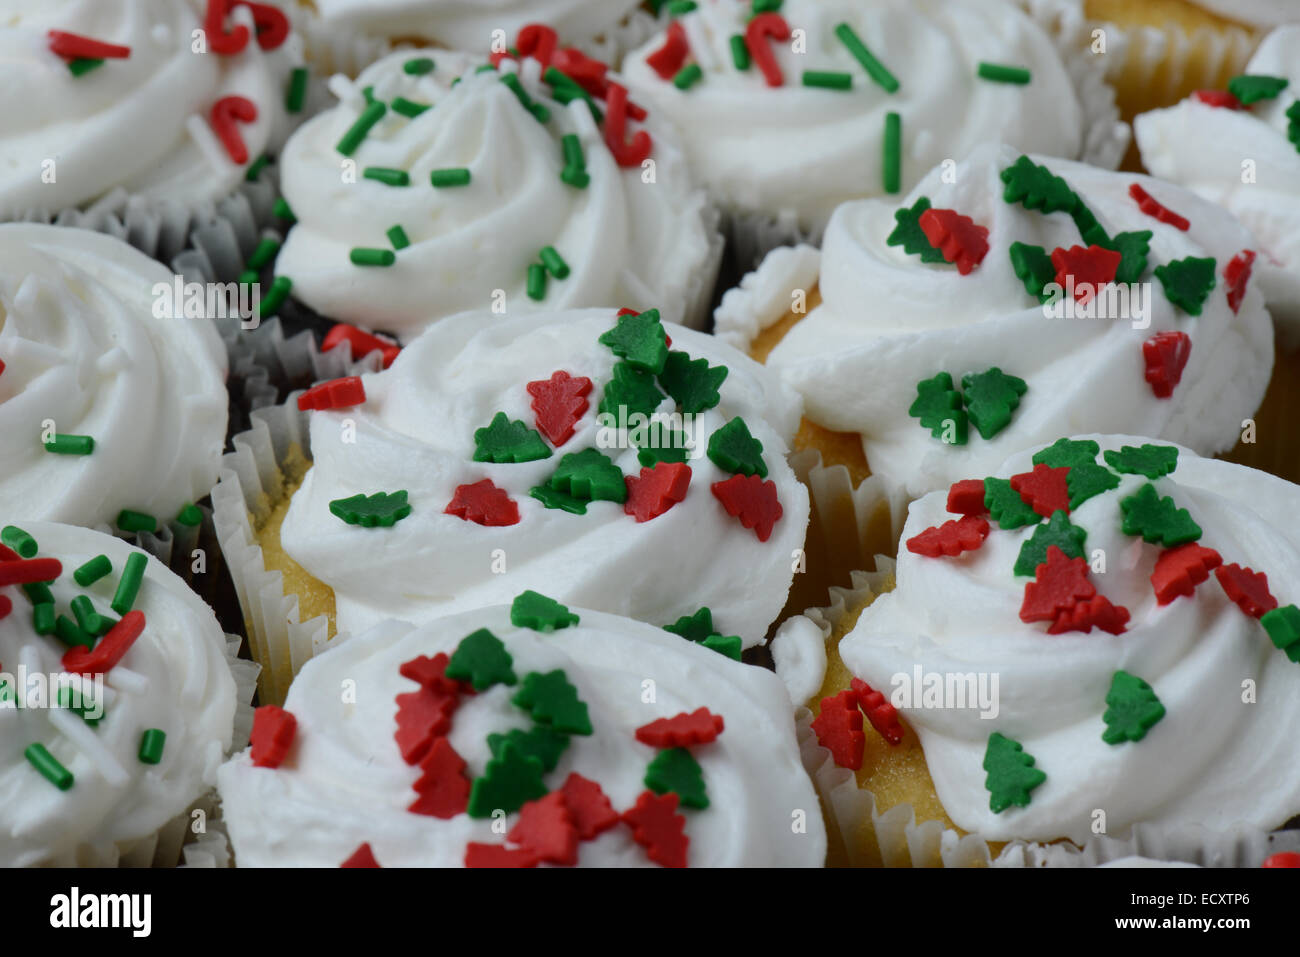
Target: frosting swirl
84	354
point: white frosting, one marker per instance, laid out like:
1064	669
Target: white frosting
1213	760
1259	13
627	242
83	350
416	432
807	150
767	294
345	783
888	320
124	124
1134	861
799	656
1207	150
175	678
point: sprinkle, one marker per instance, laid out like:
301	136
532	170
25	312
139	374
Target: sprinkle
967	497
683	730
1037	187
537	41
1165	355
688	76
456	176
296	95
999	73
1251	89
272	736
1005	505
546	830
675	771
892	172
554	262
640	339
29	570
939	407
1179	570
1085	271
389	177
734	449
536	611
827	80
442	787
190	515
951	538
668	59
991	398
760	29
380	510
882	715
626	153
408	108
1249	589
692	383
908	233
49	768
1133	709
838	727
397	236
83	65
423	717
67	700
151	746
961	240
89	620
658	827
509	782
335	394
109	650
1282	625
589	475
43	620
498	857
353	138
572	148
226	112
129	520
484	504
740	53
536	287
128	586
255	168
73	46
1096	612
1148	204
656	490
1159	521
875	69
753	501
1153	461
1237	274
539	112
589	808
1011	773
281	210
19	541
1057	531
264	253
1059	583
362	343
507	441
1044	489
1218	98
419	66
71	633
38	593
558	404
362	256
363	856
61	444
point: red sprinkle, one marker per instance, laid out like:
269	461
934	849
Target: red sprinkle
214	28
656	490
484	504
73	46
1166	355
537	41
1237	274
1219	98
363	343
625	153
668	59
1149	205
967	497
335	394
1044	489
422	717
761	28
497	855
658	828
589	74
753	501
546	828
6	606
25	571
363	856
1087	270
1096	612
963	534
1058	584
882	715
432	674
109	650
1179	570
558	403
443	788
1282	859
589	808
1249	589
839	729
7	554
957	237
273	732
225	113
681	731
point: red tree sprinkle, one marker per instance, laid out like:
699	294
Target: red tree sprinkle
681	731
498	856
73	46
422	716
839	729
273	732
761	29
1088	270
656	490
1058	584
658	828
1179	570
1249	589
1044	489
668	59
960	240
335	394
558	403
1237	275
363	856
967	497
1096	612
882	715
443	788
432	674
227	112
753	501
589	808
537	41
547	830
963	534
626	153
1149	205
1220	98
109	650
363	343
484	504
1166	355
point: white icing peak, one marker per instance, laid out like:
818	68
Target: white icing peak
1219	758
803	151
888	321
67	140
344	782
628	241
174	678
1244	160
1259	13
85	355
416	431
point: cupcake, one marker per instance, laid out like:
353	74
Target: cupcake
112	398
1097	639
434	188
120	697
520	735
112	100
1002	302
613	462
798	109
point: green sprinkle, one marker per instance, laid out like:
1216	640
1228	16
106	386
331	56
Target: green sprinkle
572	148
455	176
536	282
680	8
998	73
247	277
19	541
554	262
419	66
380	510
43	761
397	236
739	52
827	80
566	90
71	633
275	297
43	619
263	254
129	520
688	76
128	586
281	210
255	168
369	93
190	515
297	93
482	68
362	256
38	593
92	571
83	65
356	133
66	702
541	113
408	108
875	69
893	170
87	618
151	746
577	178
389	177
766	6
70	444
1250	88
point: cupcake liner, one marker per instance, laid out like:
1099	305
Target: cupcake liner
1275	449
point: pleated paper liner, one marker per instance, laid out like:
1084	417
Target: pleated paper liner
1274	444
